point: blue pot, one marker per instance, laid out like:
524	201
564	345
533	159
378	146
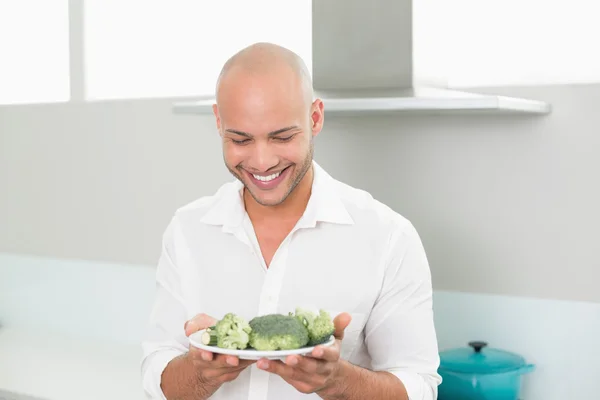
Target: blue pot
475	373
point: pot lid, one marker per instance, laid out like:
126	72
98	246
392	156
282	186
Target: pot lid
476	359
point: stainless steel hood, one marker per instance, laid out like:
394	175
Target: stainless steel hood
366	60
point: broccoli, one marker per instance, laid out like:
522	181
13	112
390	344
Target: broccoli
277	332
320	327
231	332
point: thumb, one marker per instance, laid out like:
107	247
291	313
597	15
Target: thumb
197	323
341	322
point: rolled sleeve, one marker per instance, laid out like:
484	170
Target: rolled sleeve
165	338
154	366
416	385
400	334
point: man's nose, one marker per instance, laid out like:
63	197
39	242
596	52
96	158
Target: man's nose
263	157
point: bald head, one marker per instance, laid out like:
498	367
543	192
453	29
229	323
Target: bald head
267	61
267	120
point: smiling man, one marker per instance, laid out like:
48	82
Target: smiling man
286	234
267	120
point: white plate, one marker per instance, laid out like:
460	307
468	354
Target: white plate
251	354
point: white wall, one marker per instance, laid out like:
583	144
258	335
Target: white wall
504	204
101	180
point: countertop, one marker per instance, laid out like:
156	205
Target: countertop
55	366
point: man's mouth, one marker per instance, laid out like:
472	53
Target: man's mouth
269	181
267	178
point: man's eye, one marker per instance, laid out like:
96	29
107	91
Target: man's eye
243	141
284	139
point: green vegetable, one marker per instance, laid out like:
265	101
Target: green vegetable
277	332
231	332
271	332
320	327
209	337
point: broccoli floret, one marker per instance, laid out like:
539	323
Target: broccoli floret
231	332
277	332
305	316
320	327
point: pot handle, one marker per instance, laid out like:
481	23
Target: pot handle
525	369
477	345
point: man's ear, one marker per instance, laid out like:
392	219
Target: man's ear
217	117
317	116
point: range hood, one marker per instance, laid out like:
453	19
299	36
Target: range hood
373	56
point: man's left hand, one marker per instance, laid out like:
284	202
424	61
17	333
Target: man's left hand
317	372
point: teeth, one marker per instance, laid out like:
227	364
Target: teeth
266	178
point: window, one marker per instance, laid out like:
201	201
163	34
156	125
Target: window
171	48
514	42
175	48
34	51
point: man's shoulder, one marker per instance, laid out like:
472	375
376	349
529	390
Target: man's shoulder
198	207
378	220
364	208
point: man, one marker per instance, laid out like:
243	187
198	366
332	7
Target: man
286	234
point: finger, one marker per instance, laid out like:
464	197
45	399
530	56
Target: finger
245	363
211	370
326	353
227	361
279	368
341	322
306	364
232	361
197	323
218	361
199	354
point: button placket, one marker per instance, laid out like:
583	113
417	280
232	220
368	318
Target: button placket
269	299
275	276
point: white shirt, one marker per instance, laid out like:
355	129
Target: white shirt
348	253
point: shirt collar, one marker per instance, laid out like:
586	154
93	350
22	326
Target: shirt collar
324	205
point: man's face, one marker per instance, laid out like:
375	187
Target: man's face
267	130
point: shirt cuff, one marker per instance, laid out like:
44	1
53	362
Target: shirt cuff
414	384
152	377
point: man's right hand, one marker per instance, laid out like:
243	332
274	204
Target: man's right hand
213	369
198	373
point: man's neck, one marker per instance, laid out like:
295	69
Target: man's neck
292	208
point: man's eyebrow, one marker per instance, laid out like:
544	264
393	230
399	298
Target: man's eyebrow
249	136
271	134
282	130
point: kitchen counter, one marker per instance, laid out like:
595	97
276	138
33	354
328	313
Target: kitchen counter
55	366
91	317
